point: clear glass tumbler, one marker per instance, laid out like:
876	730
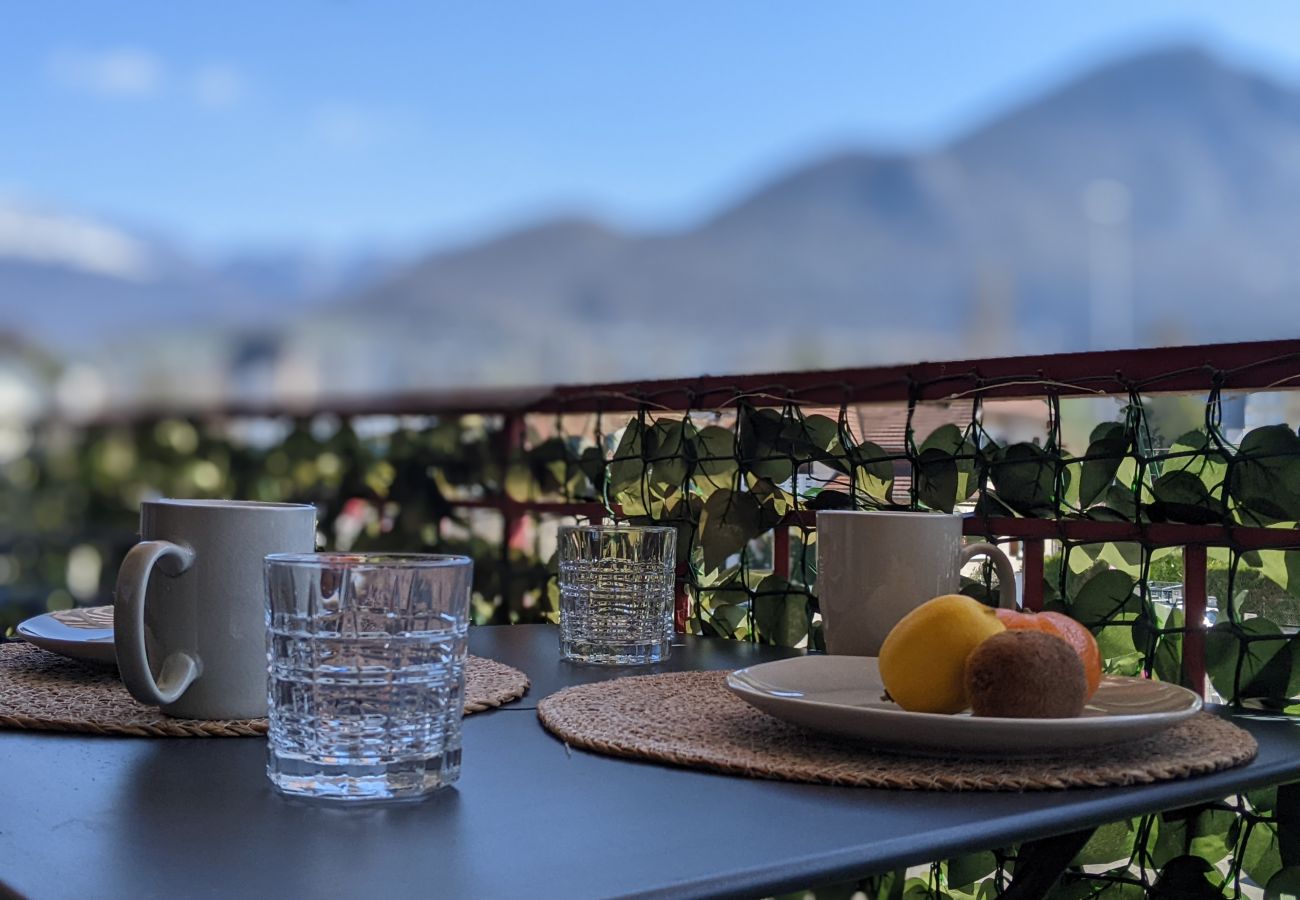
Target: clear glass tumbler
616	593
366	657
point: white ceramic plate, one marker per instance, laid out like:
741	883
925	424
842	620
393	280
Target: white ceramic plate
841	695
85	633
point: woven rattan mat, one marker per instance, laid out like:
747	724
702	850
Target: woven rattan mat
46	692
691	719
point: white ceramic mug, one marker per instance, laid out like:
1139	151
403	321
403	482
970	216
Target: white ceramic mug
191	594
873	568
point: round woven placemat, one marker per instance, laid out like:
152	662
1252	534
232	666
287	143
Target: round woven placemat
489	684
691	719
46	692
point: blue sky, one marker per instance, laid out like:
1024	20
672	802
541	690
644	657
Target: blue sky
339	124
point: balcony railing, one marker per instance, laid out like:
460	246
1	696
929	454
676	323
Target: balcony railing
491	471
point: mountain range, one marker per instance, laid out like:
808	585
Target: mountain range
1151	200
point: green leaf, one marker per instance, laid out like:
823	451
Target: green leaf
627	468
729	521
1109	843
1280	678
936	479
549	463
1169	650
1285	885
520	485
829	499
1261	859
1104	597
1024	475
1282	567
1104	431
379	477
1192	452
780	612
715	450
1069	498
760	444
1214	834
1118	505
1265	476
1181	496
1105	453
822	433
945	468
1262	800
1187	878
681	511
727	621
443	438
948	438
592	464
636	502
550	450
763	426
732	591
1225	651
803	560
1082	890
669	443
774	503
989	504
1123	555
1112	890
873	471
1120	655
919	889
1171	839
966	870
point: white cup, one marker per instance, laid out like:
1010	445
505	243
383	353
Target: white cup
191	595
873	568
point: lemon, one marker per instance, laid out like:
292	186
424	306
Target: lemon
923	658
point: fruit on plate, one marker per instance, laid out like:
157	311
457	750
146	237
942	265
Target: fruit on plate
923	659
1026	674
1072	631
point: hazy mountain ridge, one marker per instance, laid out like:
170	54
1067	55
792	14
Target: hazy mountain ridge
1168	183
1207	159
68	281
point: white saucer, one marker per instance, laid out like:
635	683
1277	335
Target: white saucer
85	633
842	695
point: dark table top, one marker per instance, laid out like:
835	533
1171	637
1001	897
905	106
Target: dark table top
85	816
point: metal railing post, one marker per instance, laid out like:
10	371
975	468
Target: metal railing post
1194	602
1032	567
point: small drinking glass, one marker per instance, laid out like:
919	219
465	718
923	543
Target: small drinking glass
616	593
366	658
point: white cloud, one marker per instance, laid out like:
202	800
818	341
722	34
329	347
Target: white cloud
132	73
218	85
71	241
120	73
346	127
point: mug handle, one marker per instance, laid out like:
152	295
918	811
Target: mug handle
179	669
1006	574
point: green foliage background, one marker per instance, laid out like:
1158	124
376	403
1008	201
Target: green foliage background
725	478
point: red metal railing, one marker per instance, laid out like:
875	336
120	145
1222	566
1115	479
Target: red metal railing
1266	365
1259	365
1226	367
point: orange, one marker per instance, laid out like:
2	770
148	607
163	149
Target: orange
1071	631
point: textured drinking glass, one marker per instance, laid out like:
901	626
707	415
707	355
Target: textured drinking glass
366	658
616	593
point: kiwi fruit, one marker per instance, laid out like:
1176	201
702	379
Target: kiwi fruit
1025	675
